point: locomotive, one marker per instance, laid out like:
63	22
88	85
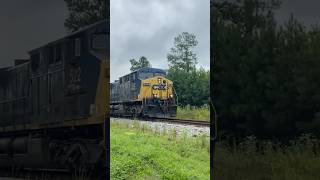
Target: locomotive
144	93
54	105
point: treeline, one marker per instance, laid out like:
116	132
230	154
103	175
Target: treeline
266	76
192	87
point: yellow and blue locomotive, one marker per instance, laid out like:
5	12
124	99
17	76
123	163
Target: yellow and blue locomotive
145	93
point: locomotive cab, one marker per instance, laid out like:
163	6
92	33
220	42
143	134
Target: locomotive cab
157	87
157	96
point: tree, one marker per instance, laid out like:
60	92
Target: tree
181	55
192	88
141	63
85	12
244	45
191	84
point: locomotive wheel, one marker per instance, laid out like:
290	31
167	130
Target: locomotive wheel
77	156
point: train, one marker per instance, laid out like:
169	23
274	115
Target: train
54	104
145	92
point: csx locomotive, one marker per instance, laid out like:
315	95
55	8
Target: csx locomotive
145	92
53	106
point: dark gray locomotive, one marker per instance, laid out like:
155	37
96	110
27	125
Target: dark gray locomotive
145	93
53	106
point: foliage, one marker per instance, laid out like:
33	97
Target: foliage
139	153
181	56
85	12
191	84
252	159
192	88
141	63
196	113
266	76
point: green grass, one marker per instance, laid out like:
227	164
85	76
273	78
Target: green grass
139	153
298	161
200	113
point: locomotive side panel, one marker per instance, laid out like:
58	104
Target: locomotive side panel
60	85
14	98
56	98
114	93
84	71
52	109
21	106
3	86
126	89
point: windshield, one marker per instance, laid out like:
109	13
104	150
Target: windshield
145	75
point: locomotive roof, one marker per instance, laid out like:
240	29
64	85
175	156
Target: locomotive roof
143	70
71	34
149	70
76	32
15	66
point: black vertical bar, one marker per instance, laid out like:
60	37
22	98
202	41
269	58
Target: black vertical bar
107	143
107	121
212	115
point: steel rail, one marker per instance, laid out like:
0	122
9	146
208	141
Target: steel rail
170	120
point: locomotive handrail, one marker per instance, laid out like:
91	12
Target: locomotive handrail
175	95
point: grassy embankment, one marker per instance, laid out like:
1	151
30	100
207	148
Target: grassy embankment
140	153
298	161
201	113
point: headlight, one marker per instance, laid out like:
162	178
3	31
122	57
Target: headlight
159	80
171	95
155	95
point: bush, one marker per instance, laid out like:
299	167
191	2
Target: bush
196	113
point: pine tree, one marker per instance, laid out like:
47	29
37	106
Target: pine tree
85	12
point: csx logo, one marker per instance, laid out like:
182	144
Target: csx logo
159	87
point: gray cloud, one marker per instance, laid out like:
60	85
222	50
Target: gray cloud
147	28
306	11
26	25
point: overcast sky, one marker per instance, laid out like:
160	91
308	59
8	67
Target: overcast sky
138	27
306	11
148	27
28	24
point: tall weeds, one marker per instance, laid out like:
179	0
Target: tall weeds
255	159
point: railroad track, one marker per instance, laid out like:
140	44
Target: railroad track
173	120
184	121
